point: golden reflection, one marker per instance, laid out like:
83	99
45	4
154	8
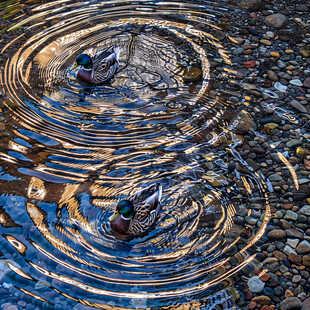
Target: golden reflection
20	272
290	168
36	189
18	245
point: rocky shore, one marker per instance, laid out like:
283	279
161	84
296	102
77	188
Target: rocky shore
272	45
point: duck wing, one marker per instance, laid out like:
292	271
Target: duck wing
105	64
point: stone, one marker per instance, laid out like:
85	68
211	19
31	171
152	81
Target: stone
306	82
255	284
293	143
295	258
290	303
280	87
276	234
292	242
272	76
244	123
296	278
288	250
275	178
291	215
275	54
305	51
271	264
303	247
298	106
306	260
252	5
192	74
263	300
296	82
294	233
305	210
276	20
306	304
265	42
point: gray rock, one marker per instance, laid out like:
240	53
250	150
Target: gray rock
303	247
252	5
275	178
277	20
255	284
291	215
290	303
298	106
272	76
288	250
293	143
305	210
292	242
296	82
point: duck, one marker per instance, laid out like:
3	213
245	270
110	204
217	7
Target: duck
98	68
134	216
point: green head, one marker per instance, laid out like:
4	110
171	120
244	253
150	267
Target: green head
83	60
125	208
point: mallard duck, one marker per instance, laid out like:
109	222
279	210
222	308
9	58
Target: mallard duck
136	215
98	68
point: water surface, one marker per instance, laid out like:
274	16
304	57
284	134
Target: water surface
70	152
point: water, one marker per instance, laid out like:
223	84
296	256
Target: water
70	152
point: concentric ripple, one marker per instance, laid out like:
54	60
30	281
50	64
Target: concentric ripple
71	151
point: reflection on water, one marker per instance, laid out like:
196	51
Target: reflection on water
70	152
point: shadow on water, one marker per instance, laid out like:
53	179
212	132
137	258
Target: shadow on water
70	152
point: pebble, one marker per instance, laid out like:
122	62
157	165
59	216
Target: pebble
255	284
294	233
293	143
303	247
305	51
290	303
306	82
305	210
290	215
292	242
280	87
265	42
275	178
276	20
288	250
296	82
298	106
276	234
272	76
275	54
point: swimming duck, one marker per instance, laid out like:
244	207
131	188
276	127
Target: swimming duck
137	214
98	68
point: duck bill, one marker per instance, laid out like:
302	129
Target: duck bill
114	216
74	66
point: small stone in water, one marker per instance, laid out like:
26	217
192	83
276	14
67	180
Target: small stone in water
307	82
265	42
296	82
305	51
291	303
192	74
275	54
298	106
280	87
277	20
255	284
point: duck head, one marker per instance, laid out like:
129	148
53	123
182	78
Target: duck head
125	209
83	60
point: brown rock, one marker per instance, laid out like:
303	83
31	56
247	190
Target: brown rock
263	300
252	5
277	20
252	305
306	260
285	224
279	255
277	234
265	277
305	51
307	82
272	76
294	233
295	259
288	293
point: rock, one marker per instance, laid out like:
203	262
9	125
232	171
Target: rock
275	178
292	242
276	20
252	5
291	215
255	284
290	303
306	82
271	263
192	74
296	278
293	143
298	106
288	250
275	54
306	304
296	82
280	87
245	123
294	258
276	234
272	76
306	260
303	247
305	51
265	42
305	210
294	233
263	300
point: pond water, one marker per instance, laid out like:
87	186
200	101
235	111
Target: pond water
70	152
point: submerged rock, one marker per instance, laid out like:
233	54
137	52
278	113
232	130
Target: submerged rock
290	303
276	20
256	285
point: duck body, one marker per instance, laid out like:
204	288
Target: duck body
98	68
136	215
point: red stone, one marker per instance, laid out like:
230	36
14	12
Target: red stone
249	64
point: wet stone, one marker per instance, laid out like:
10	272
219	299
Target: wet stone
290	215
275	178
294	233
305	51
265	42
272	76
277	234
303	247
306	82
276	20
293	143
298	106
255	284
292	242
252	5
271	263
305	210
290	303
280	87
296	82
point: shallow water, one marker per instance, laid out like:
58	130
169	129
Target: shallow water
70	152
